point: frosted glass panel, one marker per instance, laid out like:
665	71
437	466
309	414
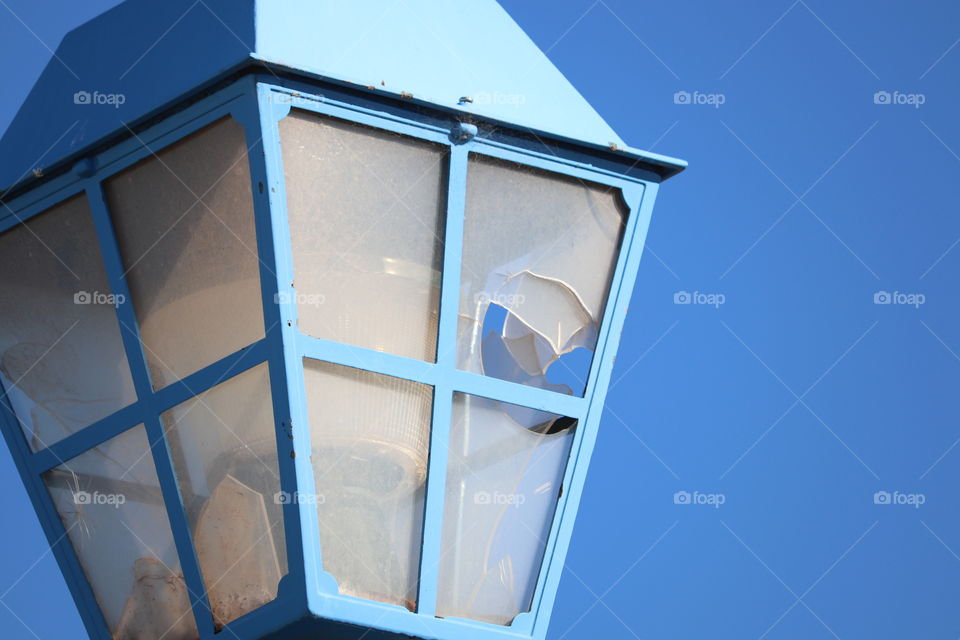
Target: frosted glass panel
110	503
539	251
224	449
366	219
370	436
184	221
505	470
62	361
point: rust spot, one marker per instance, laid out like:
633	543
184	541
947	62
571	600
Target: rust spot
405	94
38	173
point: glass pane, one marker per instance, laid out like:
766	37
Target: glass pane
370	435
184	222
539	251
504	477
62	360
366	214
224	448
110	503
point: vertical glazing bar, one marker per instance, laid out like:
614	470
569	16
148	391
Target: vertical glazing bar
274	106
640	200
130	333
443	392
269	247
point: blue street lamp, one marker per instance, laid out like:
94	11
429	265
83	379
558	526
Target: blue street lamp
309	312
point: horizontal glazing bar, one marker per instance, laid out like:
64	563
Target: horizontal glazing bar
433	374
86	439
210	376
99	432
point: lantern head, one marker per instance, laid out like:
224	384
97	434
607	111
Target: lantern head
309	313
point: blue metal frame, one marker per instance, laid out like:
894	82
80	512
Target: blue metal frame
237	101
325	600
258	103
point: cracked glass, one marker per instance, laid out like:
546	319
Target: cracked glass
111	506
539	252
505	471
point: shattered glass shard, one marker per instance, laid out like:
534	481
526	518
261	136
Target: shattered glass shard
538	258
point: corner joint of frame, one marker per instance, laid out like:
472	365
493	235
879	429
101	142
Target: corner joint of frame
633	195
278	102
247	114
463	132
273	102
85	167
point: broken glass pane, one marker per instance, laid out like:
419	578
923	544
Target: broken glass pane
366	210
224	448
62	361
185	226
539	251
110	503
505	470
370	435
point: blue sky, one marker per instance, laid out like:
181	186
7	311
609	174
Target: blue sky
817	183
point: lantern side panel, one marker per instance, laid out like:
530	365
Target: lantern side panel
539	252
370	437
111	505
366	214
184	222
62	360
506	466
224	449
